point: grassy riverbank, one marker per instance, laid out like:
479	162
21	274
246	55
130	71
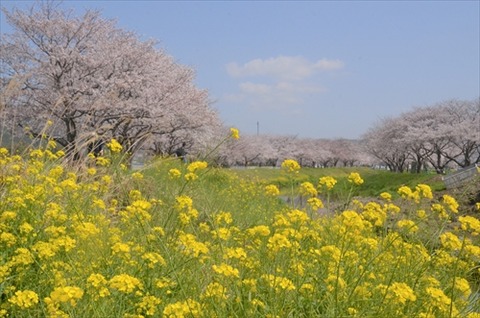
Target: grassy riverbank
177	240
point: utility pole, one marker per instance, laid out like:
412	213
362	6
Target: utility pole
258	128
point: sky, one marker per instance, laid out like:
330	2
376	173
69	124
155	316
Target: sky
312	69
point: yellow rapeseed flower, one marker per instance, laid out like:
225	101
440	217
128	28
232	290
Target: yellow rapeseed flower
260	230
330	251
60	153
352	311
181	309
7	215
191	247
22	256
308	189
137	176
315	203
174	173
392	208
3	152
374	213
101	161
8	239
257	303
24	298
406	193
197	165
190	176
279	283
183	202
215	290
164	282
125	283
66	294
471	224
400	293
425	191
235	252
451	203
221	233
272	190
463	286
352	220
226	270
328	182
355	178
408	225
120	248
148	305
26	228
386	196
44	249
440	209
51	144
98	284
277	242
450	241
334	282
291	166
438	299
223	218
234	133
114	146
296	215
153	258
55	231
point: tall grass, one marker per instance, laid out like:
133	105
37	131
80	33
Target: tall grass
187	240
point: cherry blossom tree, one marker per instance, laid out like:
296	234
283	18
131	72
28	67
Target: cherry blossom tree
417	136
94	80
307	152
285	147
442	135
384	141
322	153
462	126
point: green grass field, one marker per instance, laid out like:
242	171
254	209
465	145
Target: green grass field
376	181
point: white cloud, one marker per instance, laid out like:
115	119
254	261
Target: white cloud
255	89
283	67
286	97
283	88
283	84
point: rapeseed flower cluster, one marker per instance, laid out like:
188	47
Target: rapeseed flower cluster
327	182
192	169
355	178
272	190
290	166
24	298
114	146
94	243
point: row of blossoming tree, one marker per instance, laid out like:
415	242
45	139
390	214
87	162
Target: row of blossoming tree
271	150
440	136
79	79
443	135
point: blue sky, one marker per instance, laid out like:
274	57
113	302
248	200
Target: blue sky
320	69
